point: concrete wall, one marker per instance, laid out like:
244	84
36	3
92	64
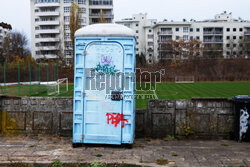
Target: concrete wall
205	117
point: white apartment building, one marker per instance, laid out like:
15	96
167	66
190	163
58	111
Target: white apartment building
50	25
220	36
143	28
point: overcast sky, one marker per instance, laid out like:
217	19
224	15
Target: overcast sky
17	12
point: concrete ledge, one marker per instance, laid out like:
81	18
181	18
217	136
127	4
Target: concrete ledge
199	117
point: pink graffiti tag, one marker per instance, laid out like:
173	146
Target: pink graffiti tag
116	119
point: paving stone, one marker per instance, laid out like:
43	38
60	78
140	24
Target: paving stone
181	153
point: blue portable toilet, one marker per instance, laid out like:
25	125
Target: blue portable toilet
104	85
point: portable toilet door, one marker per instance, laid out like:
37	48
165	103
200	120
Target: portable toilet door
104	89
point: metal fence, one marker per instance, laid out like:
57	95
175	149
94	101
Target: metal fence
27	78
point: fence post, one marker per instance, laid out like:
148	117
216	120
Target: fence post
4	76
57	73
30	78
18	78
47	75
54	71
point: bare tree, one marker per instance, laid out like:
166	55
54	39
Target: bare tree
181	49
15	44
75	22
102	19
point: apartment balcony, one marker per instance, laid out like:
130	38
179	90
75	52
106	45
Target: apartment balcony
47	56
47	31
164	41
247	32
98	15
42	23
213	32
52	13
165	33
47	40
47	4
213	40
46	48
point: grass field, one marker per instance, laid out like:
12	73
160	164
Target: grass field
170	91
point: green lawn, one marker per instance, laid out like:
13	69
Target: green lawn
170	91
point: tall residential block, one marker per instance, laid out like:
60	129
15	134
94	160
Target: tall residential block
50	25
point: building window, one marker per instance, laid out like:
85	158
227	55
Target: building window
66	9
177	29
228	29
234	37
185	29
36	28
185	37
241	29
127	25
150	43
150	36
66	27
234	29
137	31
191	37
234	45
228	45
177	37
67	36
66	18
197	29
137	25
191	29
68	1
83	10
81	1
228	37
240	37
82	20
197	37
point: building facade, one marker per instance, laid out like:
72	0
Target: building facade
221	37
143	28
50	25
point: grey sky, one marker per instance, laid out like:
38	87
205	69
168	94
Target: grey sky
17	12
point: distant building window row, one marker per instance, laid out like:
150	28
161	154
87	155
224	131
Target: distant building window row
234	37
234	29
78	1
187	29
101	2
46	1
67	10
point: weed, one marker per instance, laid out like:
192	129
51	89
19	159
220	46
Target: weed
57	163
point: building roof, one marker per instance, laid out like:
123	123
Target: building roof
171	23
101	30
